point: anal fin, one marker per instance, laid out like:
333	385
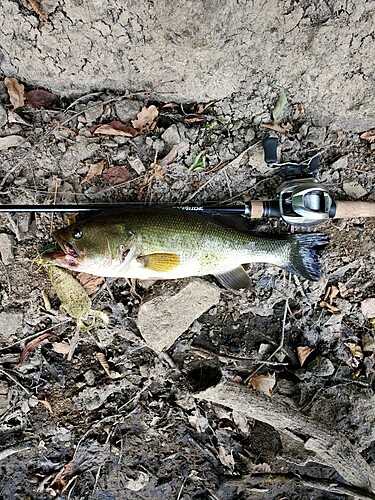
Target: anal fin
236	279
160	262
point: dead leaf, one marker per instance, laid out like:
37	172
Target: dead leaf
203	106
195	119
32	345
137	484
90	282
116	175
155	173
226	458
102	360
146	118
47	404
114	127
326	305
62	480
263	383
344	292
95	169
355	350
303	352
283	129
104	363
368	307
368	136
331	293
40	98
163	162
15	118
11	141
16	92
38	10
61	348
263	468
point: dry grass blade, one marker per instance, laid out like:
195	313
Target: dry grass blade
32	345
38	10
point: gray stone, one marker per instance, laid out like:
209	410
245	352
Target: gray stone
6	248
163	319
94	110
321	367
354	190
10	323
127	110
3	116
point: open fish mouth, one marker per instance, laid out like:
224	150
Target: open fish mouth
66	246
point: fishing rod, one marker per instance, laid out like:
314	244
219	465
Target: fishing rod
301	201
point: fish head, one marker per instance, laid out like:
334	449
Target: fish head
90	247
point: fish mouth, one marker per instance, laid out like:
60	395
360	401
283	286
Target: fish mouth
66	246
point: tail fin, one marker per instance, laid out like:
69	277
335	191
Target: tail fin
304	254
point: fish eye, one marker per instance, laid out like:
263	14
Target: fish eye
77	233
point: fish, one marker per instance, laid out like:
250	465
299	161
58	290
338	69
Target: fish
172	243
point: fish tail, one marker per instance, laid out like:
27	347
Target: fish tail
305	250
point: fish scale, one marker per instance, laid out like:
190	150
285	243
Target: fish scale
170	243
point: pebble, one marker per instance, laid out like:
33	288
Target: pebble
321	367
6	248
162	320
341	163
127	110
10	323
354	190
3	116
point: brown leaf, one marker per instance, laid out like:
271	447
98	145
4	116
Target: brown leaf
16	92
263	383
283	129
95	169
195	119
203	106
40	98
368	136
116	175
355	350
170	156
300	108
61	348
146	118
303	352
326	305
344	292
32	345
368	307
62	479
90	282
114	127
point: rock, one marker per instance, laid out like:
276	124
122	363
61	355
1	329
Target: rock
3	116
94	110
6	248
127	110
3	397
172	135
11	141
321	367
341	163
163	319
354	190
9	324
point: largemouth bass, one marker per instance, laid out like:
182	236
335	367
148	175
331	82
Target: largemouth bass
172	243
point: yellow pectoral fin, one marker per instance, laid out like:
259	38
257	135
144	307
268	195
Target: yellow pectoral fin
160	262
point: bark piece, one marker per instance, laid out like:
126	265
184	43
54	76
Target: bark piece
163	319
330	447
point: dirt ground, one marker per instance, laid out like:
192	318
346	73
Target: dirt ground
262	394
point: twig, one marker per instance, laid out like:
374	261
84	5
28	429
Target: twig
15	381
181	489
34	335
231	163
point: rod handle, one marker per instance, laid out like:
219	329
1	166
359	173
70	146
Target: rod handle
349	209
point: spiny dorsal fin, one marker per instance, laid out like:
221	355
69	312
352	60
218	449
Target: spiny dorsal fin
160	262
236	279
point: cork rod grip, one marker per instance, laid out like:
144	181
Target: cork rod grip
348	209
